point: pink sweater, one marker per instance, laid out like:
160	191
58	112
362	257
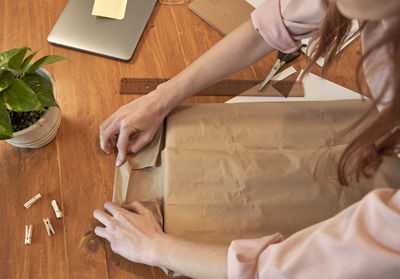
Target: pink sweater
363	241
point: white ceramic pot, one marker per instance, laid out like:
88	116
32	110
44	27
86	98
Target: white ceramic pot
45	129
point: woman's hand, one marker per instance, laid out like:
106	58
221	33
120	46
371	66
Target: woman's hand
139	238
131	235
140	118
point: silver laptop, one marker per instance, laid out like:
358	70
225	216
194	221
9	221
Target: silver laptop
78	29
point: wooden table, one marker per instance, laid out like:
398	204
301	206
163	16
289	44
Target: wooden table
72	169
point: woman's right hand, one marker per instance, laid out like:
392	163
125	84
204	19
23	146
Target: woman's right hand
140	118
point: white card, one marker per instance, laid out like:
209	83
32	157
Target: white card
255	3
110	8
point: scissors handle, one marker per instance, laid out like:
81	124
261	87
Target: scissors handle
283	58
288	57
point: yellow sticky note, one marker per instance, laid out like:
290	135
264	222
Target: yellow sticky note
109	8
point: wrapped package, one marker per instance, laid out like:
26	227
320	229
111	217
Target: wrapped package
231	171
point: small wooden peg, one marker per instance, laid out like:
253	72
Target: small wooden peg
57	211
32	201
28	234
48	226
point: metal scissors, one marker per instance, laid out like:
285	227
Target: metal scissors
283	58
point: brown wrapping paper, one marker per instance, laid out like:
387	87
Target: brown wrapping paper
230	171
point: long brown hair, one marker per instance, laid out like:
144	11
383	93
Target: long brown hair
381	137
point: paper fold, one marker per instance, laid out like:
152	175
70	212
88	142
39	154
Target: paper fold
147	158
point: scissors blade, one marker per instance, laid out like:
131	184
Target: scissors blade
273	71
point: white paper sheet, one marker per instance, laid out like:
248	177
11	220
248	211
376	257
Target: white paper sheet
284	74
107	8
255	3
315	89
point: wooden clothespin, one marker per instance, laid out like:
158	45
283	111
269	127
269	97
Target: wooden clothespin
57	211
48	226
32	201
28	234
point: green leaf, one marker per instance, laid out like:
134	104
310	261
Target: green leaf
6	78
20	97
42	87
45	60
5	56
15	61
26	62
5	123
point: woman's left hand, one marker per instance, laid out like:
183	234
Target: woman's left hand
131	235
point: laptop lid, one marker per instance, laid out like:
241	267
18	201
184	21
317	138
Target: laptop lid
77	28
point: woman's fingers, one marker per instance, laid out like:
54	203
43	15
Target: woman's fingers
141	117
140	142
102	232
105	144
132	235
123	133
137	207
112	208
106	131
122	145
103	217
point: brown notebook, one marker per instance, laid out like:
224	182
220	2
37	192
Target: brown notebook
222	15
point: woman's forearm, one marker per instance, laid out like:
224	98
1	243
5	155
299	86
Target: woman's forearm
238	50
191	259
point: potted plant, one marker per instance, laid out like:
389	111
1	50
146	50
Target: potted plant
29	114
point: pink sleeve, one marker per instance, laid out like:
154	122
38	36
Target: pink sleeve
360	242
283	23
243	255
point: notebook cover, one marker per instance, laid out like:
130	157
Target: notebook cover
222	15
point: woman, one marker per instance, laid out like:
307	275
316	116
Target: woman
360	242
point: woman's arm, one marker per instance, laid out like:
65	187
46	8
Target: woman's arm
139	238
192	259
239	49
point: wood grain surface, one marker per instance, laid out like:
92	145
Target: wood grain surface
72	169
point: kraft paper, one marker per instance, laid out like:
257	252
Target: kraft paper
231	171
